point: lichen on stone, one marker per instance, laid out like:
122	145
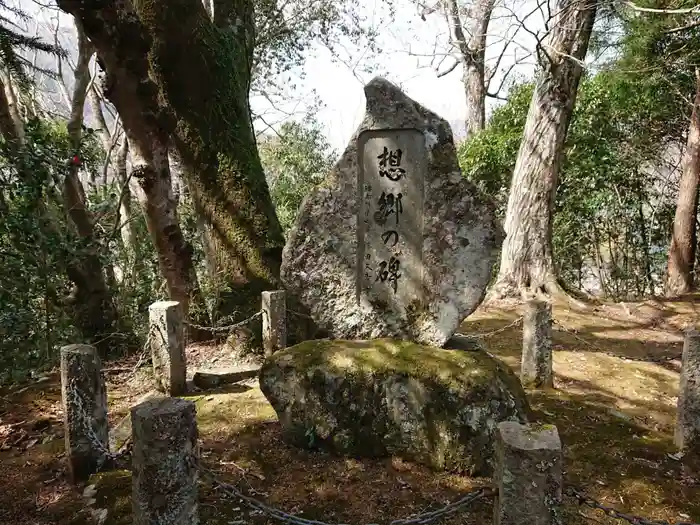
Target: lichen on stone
393	397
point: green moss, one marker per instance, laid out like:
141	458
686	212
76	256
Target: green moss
114	494
390	355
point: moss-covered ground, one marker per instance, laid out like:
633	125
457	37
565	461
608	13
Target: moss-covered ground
615	416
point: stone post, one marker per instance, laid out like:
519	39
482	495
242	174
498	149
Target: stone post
687	435
274	321
167	336
527	474
165	462
536	360
84	411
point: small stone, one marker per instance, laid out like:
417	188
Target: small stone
528	475
536	360
687	435
99	515
167	340
90	491
165	463
274	321
84	410
395	242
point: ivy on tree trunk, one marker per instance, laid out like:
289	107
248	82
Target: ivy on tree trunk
174	73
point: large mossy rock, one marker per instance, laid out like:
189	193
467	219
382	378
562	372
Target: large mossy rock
388	397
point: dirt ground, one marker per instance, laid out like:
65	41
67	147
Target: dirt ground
614	409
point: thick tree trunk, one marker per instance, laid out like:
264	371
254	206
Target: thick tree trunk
681	253
156	56
527	261
472	50
123	45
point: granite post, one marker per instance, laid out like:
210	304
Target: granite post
528	474
536	360
274	321
167	341
84	411
165	463
687	436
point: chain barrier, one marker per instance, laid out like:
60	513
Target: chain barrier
647	359
584	499
482	335
95	442
224	329
423	518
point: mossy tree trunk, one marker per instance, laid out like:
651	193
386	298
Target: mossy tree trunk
173	73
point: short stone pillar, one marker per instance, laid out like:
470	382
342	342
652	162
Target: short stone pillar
165	462
687	436
167	341
536	360
274	321
527	474
84	411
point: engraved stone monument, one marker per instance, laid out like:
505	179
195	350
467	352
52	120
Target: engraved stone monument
395	242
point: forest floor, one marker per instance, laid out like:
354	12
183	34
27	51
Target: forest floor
614	408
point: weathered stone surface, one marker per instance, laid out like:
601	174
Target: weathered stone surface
274	321
215	377
84	410
390	397
381	252
687	435
536	359
165	464
168	347
528	474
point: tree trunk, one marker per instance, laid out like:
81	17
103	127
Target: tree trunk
527	260
472	51
156	55
126	224
681	253
93	307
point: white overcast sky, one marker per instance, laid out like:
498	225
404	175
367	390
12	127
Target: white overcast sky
407	44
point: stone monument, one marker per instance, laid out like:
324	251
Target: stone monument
395	242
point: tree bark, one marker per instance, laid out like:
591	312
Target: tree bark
527	260
472	50
681	252
156	55
91	299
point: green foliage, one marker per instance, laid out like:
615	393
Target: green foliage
13	43
295	160
612	212
34	247
37	244
488	158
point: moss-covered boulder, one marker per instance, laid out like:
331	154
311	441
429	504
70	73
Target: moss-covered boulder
387	397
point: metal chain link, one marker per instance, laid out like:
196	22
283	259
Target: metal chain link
418	519
647	359
224	329
85	423
482	335
584	499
